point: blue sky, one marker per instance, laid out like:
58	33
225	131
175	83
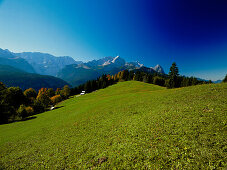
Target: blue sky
192	33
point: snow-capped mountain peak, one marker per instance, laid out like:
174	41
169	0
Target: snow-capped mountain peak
113	61
158	69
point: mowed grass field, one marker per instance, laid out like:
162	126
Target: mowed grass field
130	125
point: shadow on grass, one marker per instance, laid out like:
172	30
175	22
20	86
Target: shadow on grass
28	118
12	121
58	107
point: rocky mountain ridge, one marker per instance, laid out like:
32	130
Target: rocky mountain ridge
77	74
47	64
66	68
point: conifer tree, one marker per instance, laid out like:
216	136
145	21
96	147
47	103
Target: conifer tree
173	71
173	75
225	79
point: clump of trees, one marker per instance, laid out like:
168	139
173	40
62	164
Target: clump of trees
16	104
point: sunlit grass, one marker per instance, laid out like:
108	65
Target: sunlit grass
127	125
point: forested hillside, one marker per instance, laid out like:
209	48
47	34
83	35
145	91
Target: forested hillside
11	76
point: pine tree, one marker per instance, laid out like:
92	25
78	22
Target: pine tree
225	79
125	75
173	71
173	75
88	87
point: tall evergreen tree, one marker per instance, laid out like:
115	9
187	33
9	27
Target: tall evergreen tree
173	75
225	79
173	71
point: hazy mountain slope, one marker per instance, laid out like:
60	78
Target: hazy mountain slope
77	74
8	58
47	64
130	125
11	76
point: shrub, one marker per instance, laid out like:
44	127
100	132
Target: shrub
29	110
22	112
30	93
56	99
14	97
50	92
38	107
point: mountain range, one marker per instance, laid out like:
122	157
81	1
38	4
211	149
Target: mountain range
76	74
69	70
8	58
46	64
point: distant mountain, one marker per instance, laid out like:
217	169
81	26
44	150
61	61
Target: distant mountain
11	76
8	58
146	70
77	74
159	69
66	68
217	81
100	62
134	65
47	64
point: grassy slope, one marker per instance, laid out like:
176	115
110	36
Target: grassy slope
128	125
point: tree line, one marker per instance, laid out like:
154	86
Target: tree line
172	80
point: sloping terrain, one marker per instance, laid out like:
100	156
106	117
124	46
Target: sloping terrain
13	77
127	125
8	58
46	64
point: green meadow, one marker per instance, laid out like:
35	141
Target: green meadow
130	125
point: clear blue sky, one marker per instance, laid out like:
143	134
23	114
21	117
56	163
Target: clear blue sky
193	33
